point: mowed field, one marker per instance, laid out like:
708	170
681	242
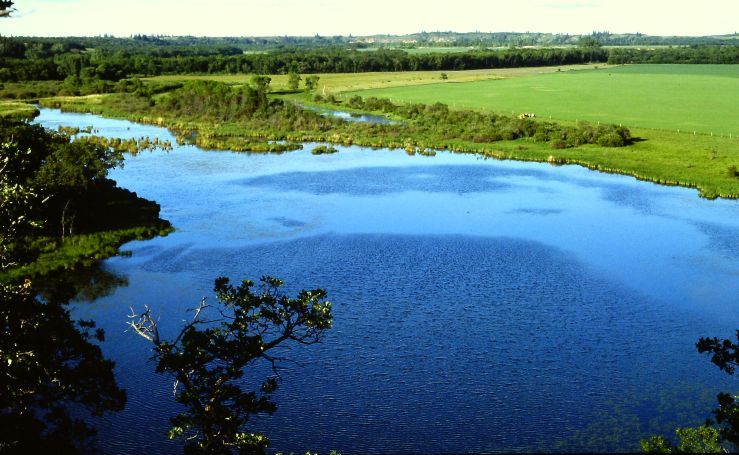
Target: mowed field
336	83
654	101
701	98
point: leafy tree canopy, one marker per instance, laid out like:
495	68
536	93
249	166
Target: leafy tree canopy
209	357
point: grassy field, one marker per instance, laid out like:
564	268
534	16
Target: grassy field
342	82
17	109
653	100
701	98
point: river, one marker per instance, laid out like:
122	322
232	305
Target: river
479	305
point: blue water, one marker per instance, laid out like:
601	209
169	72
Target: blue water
479	305
351	117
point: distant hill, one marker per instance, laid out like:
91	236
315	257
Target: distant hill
454	39
236	45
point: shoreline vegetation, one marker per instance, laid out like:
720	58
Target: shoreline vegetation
155	80
275	123
273	114
76	216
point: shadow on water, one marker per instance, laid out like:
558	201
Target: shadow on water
56	382
84	284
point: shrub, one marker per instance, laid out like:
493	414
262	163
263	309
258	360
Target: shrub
356	102
611	140
323	149
558	144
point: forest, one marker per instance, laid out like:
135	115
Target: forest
35	59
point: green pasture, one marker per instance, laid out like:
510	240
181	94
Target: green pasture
653	100
701	98
334	83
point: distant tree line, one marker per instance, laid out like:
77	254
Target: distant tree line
237	45
38	59
477	39
24	62
693	54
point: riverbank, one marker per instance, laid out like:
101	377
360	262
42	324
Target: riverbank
125	216
694	161
17	110
379	228
60	211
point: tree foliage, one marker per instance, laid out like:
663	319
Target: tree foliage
69	174
703	439
293	81
311	82
209	357
724	353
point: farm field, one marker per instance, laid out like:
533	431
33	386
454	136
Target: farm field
654	101
701	98
341	82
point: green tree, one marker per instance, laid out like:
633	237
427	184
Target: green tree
311	82
690	440
66	172
70	172
208	358
293	81
261	83
588	42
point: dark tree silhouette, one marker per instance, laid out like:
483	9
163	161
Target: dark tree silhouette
209	356
6	7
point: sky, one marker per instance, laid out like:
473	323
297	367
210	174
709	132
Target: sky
367	17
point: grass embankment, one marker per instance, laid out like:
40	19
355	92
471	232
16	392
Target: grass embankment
661	104
122	215
17	110
80	251
335	83
701	98
668	157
